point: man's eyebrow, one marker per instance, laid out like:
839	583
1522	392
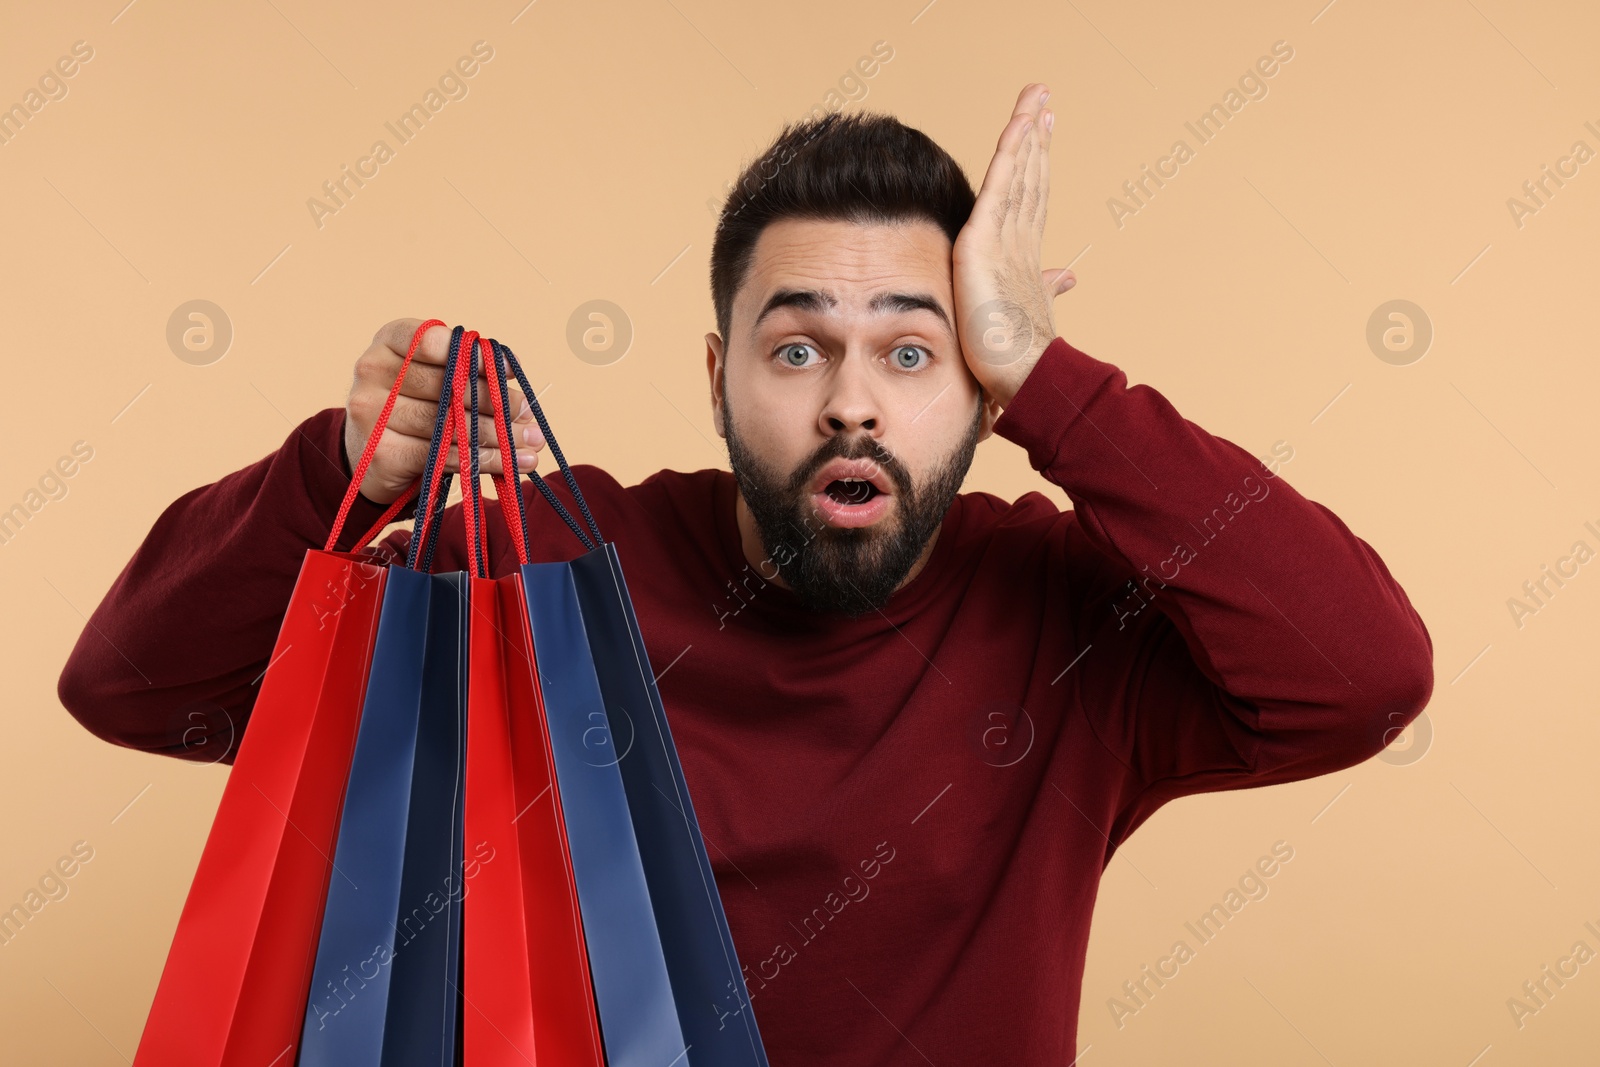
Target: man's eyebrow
908	302
824	299
804	299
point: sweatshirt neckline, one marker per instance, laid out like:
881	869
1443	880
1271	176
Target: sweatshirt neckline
779	601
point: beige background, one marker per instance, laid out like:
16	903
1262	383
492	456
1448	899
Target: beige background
586	163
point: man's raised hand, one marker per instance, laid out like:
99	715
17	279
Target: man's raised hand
402	451
1003	300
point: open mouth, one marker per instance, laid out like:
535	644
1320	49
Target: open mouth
851	491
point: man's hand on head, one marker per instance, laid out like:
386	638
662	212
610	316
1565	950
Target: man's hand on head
1003	299
402	451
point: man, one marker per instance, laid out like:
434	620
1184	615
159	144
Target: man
916	723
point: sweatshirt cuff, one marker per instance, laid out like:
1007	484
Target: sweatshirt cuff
327	475
1051	401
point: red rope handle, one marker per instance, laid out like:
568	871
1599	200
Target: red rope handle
388	516
508	484
360	471
446	441
471	498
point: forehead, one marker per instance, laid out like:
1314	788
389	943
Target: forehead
852	261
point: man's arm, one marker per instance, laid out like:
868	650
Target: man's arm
170	659
1242	635
1232	632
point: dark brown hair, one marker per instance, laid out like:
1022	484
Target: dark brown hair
854	167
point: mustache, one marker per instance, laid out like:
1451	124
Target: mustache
841	447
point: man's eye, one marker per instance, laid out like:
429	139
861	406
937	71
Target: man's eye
797	355
910	357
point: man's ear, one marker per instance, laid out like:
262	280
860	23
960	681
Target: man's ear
714	371
991	413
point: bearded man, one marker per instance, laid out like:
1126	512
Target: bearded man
916	723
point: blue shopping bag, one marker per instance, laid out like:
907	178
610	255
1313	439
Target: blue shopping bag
383	990
708	982
633	993
668	985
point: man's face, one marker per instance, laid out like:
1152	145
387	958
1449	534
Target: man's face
849	412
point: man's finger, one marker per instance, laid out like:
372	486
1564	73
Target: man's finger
1001	183
1034	180
1058	280
1029	101
994	195
1042	131
396	337
1026	178
489	461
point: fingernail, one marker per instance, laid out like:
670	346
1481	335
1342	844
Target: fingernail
531	436
1049	120
1045	97
526	460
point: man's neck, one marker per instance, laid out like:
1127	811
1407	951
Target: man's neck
755	552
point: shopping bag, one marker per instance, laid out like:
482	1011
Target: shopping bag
526	984
633	993
390	936
667	982
234	986
707	980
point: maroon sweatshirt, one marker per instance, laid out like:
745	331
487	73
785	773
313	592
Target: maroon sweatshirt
909	812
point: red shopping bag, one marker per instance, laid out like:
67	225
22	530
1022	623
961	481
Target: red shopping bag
526	984
527	989
235	984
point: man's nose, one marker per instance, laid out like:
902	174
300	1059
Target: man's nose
851	404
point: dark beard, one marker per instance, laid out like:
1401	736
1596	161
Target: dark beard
853	571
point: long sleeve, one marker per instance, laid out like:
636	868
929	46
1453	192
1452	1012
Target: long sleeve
1233	633
169	661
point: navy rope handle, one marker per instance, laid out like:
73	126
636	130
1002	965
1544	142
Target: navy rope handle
509	460
438	521
420	547
416	547
539	482
560	509
561	460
